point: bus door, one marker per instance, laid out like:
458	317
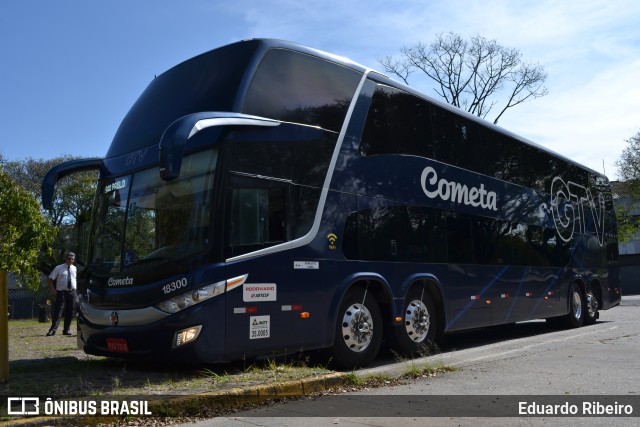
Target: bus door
273	183
260	286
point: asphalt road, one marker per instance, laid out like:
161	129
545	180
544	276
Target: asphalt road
579	370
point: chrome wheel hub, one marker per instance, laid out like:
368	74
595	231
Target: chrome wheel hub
416	321
576	305
592	305
357	327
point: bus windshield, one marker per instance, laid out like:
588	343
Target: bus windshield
141	220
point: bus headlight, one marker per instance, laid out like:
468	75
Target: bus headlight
191	298
185	336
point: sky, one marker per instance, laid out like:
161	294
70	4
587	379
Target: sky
71	69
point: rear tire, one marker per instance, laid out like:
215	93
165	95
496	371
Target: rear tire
591	309
419	324
358	332
577	308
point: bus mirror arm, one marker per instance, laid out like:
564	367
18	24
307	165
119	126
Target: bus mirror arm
177	134
58	172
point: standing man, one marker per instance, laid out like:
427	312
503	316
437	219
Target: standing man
62	283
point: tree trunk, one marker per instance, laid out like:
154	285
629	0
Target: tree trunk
4	328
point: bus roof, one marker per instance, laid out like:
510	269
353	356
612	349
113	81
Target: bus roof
246	56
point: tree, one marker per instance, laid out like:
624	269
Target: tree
23	233
629	173
472	74
629	163
71	206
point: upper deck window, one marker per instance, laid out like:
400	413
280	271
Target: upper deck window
397	123
299	88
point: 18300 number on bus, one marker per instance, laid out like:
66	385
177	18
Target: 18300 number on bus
175	285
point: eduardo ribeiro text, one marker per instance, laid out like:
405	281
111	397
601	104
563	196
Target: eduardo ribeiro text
566	408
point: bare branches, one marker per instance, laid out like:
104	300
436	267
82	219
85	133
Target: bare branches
528	82
402	69
472	74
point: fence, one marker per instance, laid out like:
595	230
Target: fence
27	303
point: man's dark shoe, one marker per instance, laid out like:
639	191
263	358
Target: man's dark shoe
51	333
66	333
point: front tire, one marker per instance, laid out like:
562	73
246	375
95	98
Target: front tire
358	332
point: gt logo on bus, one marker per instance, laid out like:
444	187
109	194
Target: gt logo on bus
136	157
568	201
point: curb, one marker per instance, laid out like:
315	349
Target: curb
185	405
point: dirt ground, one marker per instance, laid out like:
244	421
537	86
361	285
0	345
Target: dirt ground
41	365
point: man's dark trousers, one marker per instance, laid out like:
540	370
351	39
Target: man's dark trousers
65	304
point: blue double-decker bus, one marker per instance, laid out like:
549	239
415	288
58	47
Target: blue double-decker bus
266	197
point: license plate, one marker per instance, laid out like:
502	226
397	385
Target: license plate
117	345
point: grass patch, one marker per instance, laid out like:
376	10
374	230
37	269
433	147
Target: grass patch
266	371
429	370
54	366
356	381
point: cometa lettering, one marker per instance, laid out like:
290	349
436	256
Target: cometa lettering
456	192
120	282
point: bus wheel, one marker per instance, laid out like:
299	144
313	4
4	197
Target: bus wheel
418	330
358	330
591	314
577	308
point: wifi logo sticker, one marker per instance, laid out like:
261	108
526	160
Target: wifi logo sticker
332	241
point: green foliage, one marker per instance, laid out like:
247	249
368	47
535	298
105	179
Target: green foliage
352	378
71	205
427	370
627	210
629	162
628	225
74	194
23	233
629	172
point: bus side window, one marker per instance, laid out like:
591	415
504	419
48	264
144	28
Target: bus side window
397	123
257	217
459	238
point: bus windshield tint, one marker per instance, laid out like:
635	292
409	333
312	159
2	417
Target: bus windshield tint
299	88
142	220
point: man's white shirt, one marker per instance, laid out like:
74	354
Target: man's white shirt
60	275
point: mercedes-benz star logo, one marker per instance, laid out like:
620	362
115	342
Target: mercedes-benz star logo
114	318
